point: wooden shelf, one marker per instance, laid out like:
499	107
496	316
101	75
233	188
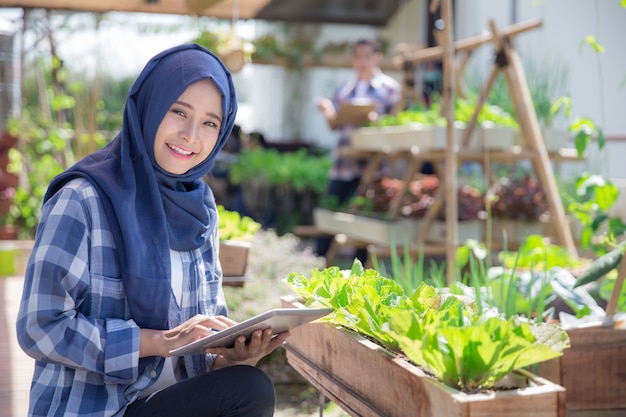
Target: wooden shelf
308	60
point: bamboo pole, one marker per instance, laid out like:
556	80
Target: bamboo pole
451	163
437	52
532	137
482	99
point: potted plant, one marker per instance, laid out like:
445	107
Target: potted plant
236	233
426	353
369	216
517	207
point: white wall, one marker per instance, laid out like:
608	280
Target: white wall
595	82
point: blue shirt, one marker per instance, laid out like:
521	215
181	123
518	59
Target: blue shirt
74	317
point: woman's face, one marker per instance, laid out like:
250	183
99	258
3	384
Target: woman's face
190	128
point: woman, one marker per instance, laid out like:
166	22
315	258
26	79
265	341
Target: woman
125	265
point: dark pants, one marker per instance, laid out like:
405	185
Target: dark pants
343	191
234	391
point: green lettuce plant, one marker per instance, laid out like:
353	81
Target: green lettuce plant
450	335
234	226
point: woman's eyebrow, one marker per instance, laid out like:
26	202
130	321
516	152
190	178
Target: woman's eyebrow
189	106
215	116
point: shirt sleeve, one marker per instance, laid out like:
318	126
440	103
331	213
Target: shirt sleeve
67	316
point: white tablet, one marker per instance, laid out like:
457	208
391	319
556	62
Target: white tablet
279	319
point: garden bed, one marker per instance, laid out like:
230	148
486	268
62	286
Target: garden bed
396	232
593	371
368	380
393	138
368	229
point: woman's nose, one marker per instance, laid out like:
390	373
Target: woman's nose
188	132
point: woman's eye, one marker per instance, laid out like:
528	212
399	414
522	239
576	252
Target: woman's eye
178	112
210	124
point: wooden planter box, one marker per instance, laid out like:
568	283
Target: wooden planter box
554	139
498	137
366	229
366	380
393	138
470	229
483	137
459	129
385	232
516	230
234	257
593	371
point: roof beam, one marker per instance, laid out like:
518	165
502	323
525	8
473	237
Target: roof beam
248	9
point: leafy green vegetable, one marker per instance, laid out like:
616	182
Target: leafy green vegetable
476	356
448	334
536	253
234	226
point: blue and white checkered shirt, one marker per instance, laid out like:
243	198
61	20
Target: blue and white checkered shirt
74	317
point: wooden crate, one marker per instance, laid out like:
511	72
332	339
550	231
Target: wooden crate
469	229
483	137
393	138
516	230
459	130
593	371
234	257
366	380
498	137
367	229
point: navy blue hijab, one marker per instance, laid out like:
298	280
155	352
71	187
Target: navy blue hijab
150	209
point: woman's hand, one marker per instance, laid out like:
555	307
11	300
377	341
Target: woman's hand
261	344
161	342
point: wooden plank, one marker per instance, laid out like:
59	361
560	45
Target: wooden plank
215	8
436	52
347	399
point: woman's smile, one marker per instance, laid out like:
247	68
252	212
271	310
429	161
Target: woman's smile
179	152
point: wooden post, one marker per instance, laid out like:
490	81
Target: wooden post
531	135
450	181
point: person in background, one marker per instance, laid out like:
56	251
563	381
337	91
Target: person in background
125	264
369	82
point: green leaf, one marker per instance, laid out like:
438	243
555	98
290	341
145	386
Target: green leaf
357	268
591	41
233	226
601	266
561	102
581	141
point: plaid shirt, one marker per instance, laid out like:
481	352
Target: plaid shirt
74	317
383	89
